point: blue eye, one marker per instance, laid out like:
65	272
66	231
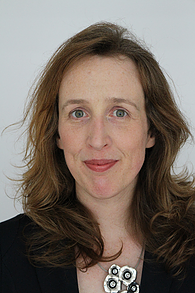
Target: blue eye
120	113
78	114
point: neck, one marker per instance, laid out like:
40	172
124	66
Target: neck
113	217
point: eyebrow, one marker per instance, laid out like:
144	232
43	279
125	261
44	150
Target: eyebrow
122	100
113	100
73	102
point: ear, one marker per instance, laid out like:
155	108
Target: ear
59	142
150	141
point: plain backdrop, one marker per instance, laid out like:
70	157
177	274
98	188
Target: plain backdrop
31	30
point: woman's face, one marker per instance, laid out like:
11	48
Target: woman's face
103	126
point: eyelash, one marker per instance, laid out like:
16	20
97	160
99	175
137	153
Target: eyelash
72	113
122	110
77	110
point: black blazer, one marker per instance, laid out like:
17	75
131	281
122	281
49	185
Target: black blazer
17	275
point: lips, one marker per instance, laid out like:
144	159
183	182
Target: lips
100	165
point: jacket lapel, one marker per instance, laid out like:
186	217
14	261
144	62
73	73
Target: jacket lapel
57	280
154	276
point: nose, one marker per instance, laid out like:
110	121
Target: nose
98	135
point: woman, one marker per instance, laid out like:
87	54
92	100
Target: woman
103	211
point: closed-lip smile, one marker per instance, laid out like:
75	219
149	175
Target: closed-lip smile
101	165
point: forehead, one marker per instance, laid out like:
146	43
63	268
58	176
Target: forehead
99	76
91	63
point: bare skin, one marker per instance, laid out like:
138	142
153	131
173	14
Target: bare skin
114	223
103	132
92	280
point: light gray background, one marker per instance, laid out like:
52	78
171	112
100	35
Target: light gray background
30	31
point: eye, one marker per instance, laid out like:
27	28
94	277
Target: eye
78	113
120	113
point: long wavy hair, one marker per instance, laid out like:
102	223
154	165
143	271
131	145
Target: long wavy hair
163	206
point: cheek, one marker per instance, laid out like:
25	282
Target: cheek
134	140
68	146
68	138
134	148
71	144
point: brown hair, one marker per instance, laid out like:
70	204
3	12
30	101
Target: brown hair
164	203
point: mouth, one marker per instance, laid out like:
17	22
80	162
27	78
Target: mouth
100	165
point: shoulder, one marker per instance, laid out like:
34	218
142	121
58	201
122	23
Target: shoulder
17	274
15	269
155	277
10	230
13	223
187	281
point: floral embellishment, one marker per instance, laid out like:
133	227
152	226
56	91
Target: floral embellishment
119	277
